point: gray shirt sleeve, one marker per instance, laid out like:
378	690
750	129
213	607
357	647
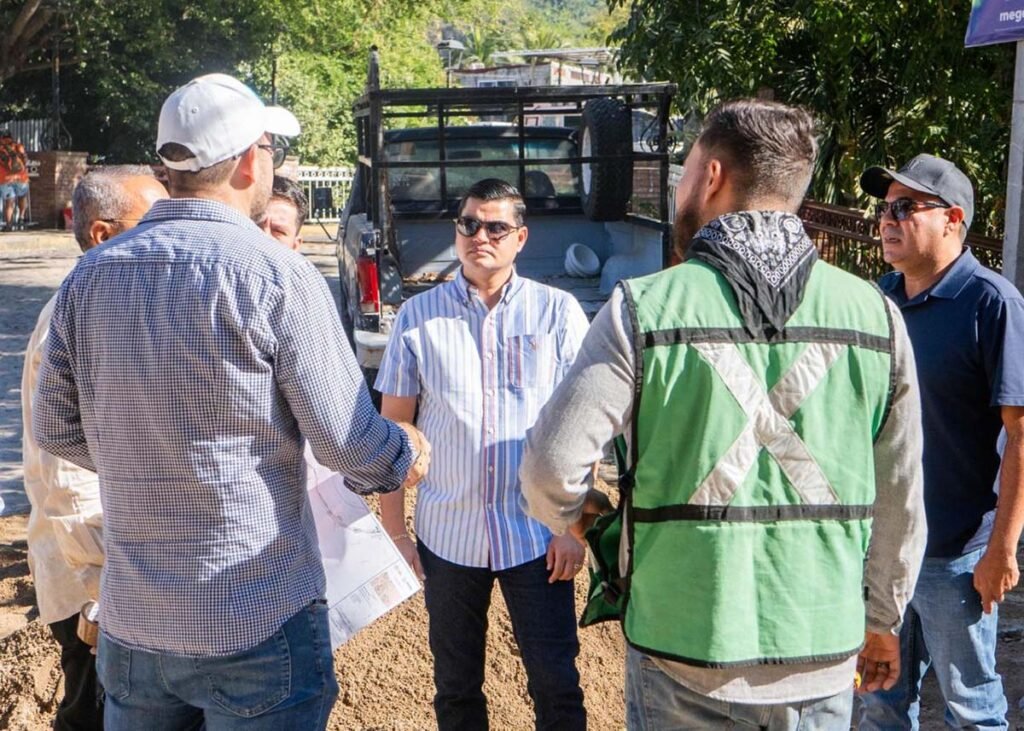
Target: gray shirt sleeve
588	409
899	532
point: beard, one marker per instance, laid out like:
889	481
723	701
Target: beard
688	221
261	197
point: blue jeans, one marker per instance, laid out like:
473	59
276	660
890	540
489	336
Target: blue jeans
656	702
544	625
11	191
285	682
944	628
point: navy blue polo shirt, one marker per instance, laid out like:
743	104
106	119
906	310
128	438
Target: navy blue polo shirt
967	331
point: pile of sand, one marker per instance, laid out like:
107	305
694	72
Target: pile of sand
30	678
385	673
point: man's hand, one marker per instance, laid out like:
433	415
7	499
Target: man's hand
994	575
595	504
565	558
407	547
419	468
879	662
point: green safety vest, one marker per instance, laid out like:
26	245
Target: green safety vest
748	502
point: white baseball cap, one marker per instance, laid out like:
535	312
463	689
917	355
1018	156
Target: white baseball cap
217	117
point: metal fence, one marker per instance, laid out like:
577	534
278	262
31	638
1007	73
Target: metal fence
846	238
327	190
34	134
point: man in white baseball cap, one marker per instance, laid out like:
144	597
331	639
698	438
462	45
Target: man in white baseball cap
188	361
207	128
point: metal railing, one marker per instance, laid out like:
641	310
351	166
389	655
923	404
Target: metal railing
849	240
316	181
34	134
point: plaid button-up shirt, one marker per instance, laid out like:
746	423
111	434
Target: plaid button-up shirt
187	360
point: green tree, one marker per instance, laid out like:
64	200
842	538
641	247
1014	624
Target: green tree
542	37
322	53
120	59
885	79
481	45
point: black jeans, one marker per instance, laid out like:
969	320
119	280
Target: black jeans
544	624
82	706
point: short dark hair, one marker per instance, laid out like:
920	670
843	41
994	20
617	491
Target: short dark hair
188	181
495	189
287	189
770	147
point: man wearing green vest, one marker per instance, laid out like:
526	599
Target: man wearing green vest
771	417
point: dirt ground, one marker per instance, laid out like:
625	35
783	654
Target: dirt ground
385	671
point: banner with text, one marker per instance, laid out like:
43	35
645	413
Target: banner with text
995	21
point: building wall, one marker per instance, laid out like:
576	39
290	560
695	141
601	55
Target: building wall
50	190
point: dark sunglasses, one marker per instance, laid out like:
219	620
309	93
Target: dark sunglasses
278	151
902	208
468	226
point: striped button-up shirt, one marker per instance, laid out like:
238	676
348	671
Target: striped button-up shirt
186	360
481	377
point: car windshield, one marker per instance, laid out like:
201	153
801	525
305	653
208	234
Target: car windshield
424	183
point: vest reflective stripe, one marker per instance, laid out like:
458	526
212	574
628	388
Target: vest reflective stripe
749	517
769	426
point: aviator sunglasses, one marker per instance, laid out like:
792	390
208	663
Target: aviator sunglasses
496	230
902	208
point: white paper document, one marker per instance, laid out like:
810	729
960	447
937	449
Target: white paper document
366	575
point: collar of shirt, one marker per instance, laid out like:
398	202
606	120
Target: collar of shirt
949	286
203	209
466	291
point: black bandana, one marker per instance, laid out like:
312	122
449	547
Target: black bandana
766	256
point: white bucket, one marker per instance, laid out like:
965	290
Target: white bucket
581	261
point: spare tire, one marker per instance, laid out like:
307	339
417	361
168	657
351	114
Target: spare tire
606	187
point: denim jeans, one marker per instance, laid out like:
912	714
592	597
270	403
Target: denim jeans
285	682
11	191
945	629
656	702
544	625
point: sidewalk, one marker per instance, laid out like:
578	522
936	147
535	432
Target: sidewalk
20	243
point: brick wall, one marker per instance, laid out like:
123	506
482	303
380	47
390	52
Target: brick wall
51	189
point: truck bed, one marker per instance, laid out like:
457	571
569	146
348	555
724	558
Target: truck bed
427	254
585	290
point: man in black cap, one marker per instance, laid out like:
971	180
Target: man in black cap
966	324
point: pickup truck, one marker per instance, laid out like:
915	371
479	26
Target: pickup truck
420	149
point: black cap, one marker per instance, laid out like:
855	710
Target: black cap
928	174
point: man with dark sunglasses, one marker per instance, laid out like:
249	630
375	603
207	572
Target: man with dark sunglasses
966	324
474	360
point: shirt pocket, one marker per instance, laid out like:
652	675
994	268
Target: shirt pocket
532	360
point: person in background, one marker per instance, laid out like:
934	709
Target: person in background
13	181
286	212
65	525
